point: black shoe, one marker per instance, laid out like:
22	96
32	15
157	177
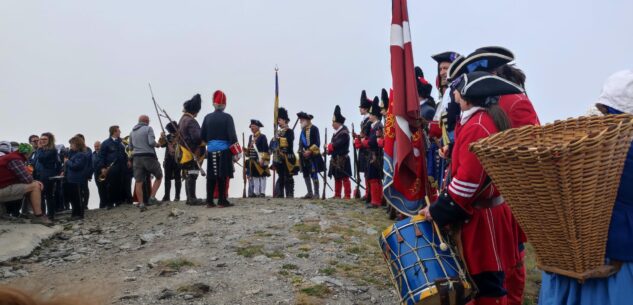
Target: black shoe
223	203
195	202
177	198
261	196
165	199
109	207
308	196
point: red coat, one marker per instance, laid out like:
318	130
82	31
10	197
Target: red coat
519	110
489	235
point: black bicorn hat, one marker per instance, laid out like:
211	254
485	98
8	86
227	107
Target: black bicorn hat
483	59
256	123
480	84
364	101
282	113
375	107
305	116
193	105
172	127
338	117
424	87
448	56
384	99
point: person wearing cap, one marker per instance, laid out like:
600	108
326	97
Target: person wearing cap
189	138
374	143
444	60
616	98
310	154
338	148
16	182
223	149
258	159
427	103
284	159
170	165
520	112
363	154
471	201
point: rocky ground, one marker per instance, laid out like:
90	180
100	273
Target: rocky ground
262	251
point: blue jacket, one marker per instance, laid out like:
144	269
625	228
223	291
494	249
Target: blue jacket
620	241
95	164
76	165
88	171
47	164
111	151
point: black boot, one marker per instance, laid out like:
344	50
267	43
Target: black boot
178	185
167	190
190	186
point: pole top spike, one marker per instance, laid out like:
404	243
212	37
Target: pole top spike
276	68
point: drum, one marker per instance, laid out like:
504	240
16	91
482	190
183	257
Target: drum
422	272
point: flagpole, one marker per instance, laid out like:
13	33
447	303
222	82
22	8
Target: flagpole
275	109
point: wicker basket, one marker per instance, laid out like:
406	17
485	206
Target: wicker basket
561	181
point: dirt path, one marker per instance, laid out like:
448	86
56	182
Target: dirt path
262	251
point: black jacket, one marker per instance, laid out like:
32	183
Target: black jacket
218	125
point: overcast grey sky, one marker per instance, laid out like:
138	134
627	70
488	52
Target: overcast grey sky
81	66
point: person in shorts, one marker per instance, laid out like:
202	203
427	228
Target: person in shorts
144	160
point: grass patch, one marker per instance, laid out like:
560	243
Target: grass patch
307	228
305	248
532	277
277	254
289	267
263	234
250	251
355	250
283	273
327	271
177	264
319	291
332	262
303	255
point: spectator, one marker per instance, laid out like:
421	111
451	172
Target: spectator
47	165
95	169
145	162
75	164
113	164
88	171
16	182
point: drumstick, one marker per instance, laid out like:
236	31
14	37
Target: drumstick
443	245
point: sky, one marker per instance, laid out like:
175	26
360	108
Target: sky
80	66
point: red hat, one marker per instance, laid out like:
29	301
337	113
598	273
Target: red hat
219	98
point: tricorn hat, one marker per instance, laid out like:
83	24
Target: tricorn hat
282	113
375	107
448	56
305	116
483	59
338	117
256	123
364	101
480	84
193	105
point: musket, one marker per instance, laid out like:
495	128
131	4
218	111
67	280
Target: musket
356	172
244	168
325	166
275	109
160	121
179	135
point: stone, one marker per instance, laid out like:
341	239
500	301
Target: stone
188	297
175	212
265	211
371	231
221	265
129	297
19	240
166	294
326	279
261	259
103	241
73	257
129	279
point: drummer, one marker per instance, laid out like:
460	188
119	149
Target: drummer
616	98
471	201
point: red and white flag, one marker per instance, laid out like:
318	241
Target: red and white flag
404	143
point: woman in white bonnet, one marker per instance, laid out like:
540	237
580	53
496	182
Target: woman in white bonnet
616	98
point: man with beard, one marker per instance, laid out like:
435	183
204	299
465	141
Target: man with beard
258	159
340	166
189	145
218	132
310	154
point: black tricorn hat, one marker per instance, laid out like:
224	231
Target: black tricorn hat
256	123
424	87
384	99
483	59
448	56
172	127
282	113
303	115
364	101
480	84
375	107
193	105
338	117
